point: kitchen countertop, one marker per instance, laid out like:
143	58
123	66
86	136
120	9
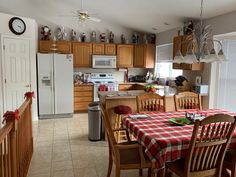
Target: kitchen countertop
75	85
133	83
131	94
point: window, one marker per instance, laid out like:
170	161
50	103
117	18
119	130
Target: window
164	64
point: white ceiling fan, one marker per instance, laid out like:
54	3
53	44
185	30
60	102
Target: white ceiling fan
83	15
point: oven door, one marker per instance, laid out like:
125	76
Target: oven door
103	61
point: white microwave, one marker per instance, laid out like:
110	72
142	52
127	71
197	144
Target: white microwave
104	61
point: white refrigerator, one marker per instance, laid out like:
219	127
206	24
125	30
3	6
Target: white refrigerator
55	85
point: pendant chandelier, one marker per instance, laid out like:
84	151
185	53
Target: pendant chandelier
200	46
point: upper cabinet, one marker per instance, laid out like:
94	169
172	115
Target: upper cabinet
62	46
125	55
104	49
110	49
144	55
82	54
182	43
98	48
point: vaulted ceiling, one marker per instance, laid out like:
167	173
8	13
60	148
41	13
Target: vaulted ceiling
141	15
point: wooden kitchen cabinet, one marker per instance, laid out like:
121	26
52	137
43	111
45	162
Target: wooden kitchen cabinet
104	49
110	49
125	55
82	54
62	46
144	55
181	43
83	96
98	48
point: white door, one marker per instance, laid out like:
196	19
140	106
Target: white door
16	67
63	78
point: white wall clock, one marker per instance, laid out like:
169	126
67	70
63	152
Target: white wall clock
17	25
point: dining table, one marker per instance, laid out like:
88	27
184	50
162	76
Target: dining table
162	140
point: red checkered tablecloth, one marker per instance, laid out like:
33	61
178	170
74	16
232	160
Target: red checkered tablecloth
165	142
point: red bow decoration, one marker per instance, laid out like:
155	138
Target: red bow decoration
15	115
29	95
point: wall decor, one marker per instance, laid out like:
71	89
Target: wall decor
46	32
17	25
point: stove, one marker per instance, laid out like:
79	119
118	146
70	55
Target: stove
103	82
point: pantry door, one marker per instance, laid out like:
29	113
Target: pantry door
16	71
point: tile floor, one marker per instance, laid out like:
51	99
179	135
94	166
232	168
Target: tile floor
62	149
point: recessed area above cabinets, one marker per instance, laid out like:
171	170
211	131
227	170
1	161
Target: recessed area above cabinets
128	55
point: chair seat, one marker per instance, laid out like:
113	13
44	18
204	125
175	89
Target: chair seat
122	109
176	166
132	155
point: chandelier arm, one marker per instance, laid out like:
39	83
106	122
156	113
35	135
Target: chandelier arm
218	41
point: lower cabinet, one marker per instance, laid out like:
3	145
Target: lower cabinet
83	96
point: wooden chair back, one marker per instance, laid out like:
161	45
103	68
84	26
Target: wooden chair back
108	128
150	102
208	145
187	100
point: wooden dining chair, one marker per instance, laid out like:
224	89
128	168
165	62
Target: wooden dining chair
230	163
150	102
187	100
210	139
125	155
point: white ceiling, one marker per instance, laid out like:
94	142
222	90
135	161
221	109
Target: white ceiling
141	15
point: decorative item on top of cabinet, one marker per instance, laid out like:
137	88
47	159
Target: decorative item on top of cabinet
98	48
93	36
83	37
181	42
73	35
61	33
111	37
135	38
83	96
122	39
144	55
125	55
102	37
46	33
62	46
82	52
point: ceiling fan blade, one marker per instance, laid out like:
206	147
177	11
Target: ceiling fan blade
94	19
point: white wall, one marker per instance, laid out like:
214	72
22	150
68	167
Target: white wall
31	34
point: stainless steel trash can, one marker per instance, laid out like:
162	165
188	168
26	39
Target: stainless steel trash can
94	122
